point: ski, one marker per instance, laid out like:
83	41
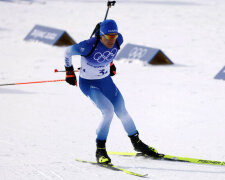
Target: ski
113	167
172	158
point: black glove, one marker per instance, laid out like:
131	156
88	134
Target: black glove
112	69
70	76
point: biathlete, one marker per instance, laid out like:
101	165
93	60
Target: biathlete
95	82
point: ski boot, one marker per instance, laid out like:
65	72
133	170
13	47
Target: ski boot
101	154
139	146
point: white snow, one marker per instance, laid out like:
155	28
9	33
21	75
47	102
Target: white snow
177	109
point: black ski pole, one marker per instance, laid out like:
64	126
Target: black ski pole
109	5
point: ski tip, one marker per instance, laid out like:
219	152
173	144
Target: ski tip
146	175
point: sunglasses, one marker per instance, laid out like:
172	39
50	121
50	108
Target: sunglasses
111	36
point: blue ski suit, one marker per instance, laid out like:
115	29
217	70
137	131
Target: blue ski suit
96	83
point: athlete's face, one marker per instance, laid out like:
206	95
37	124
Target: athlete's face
109	39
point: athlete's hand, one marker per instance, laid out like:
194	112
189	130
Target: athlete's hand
70	76
112	69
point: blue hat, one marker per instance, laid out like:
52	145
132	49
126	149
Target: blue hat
108	26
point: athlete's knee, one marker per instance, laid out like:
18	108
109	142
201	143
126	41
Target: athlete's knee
108	111
121	110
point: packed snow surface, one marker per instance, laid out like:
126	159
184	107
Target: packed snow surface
178	109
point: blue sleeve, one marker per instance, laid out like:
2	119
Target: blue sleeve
83	48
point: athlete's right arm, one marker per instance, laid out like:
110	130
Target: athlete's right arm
71	50
77	49
83	48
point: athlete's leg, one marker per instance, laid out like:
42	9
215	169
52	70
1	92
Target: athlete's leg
123	115
106	107
113	94
129	126
92	90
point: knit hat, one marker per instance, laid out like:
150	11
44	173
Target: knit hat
108	26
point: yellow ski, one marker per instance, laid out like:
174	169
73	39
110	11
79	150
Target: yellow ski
172	158
113	167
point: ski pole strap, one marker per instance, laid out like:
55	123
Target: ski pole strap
70	76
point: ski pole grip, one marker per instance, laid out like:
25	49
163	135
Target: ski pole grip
111	3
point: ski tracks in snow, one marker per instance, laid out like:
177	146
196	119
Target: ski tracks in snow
22	159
